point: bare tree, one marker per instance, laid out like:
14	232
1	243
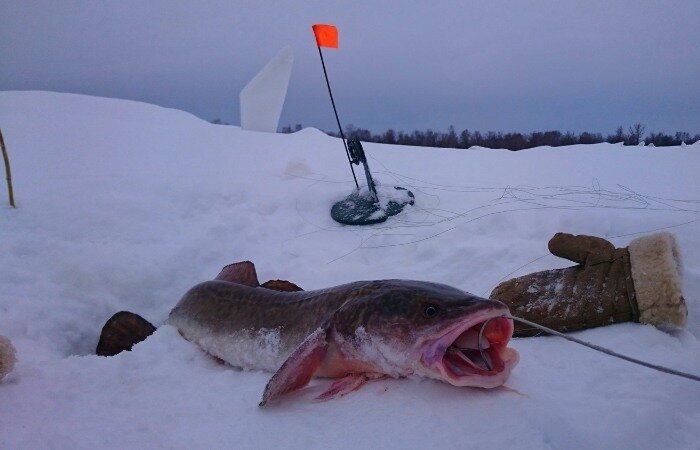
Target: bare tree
389	137
619	136
450	140
635	135
510	140
465	139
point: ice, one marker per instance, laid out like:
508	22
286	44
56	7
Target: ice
262	98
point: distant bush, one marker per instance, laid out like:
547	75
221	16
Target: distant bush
510	141
288	129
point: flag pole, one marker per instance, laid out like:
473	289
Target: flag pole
340	128
357	209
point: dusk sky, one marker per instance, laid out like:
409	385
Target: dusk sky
496	65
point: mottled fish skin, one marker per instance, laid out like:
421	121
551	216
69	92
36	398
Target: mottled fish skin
354	332
226	318
224	310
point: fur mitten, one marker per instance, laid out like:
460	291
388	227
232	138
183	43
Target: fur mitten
8	356
640	283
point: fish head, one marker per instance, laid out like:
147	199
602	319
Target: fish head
429	329
398	328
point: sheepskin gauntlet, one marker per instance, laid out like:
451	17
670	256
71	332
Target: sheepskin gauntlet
603	288
8	356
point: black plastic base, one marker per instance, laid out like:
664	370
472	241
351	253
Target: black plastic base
363	210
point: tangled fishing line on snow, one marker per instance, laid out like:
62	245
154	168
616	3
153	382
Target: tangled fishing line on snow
584	343
429	222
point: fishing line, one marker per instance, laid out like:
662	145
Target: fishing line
585	344
507	199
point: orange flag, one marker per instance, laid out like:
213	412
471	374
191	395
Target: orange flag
326	35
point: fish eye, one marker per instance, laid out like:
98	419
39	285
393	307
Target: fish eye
430	311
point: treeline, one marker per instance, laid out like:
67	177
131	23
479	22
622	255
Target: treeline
634	135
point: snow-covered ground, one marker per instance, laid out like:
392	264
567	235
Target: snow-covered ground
124	206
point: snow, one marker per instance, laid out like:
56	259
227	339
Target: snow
125	206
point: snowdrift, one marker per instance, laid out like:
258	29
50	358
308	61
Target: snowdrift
124	206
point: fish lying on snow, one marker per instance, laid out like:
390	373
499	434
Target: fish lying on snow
355	332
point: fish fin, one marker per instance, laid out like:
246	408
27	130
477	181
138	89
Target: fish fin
240	273
299	368
281	285
347	384
121	332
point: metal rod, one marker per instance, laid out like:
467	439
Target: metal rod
340	128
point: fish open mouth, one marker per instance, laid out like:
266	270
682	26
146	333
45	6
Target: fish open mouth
462	358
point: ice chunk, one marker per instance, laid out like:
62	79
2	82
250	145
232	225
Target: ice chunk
262	99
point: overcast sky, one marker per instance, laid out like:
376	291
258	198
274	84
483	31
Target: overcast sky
483	65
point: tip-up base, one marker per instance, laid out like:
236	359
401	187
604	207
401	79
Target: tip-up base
357	209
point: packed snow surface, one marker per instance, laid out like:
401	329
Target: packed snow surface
125	206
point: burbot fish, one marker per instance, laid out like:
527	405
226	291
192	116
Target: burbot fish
352	333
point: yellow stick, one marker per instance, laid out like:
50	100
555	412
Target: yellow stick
8	174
